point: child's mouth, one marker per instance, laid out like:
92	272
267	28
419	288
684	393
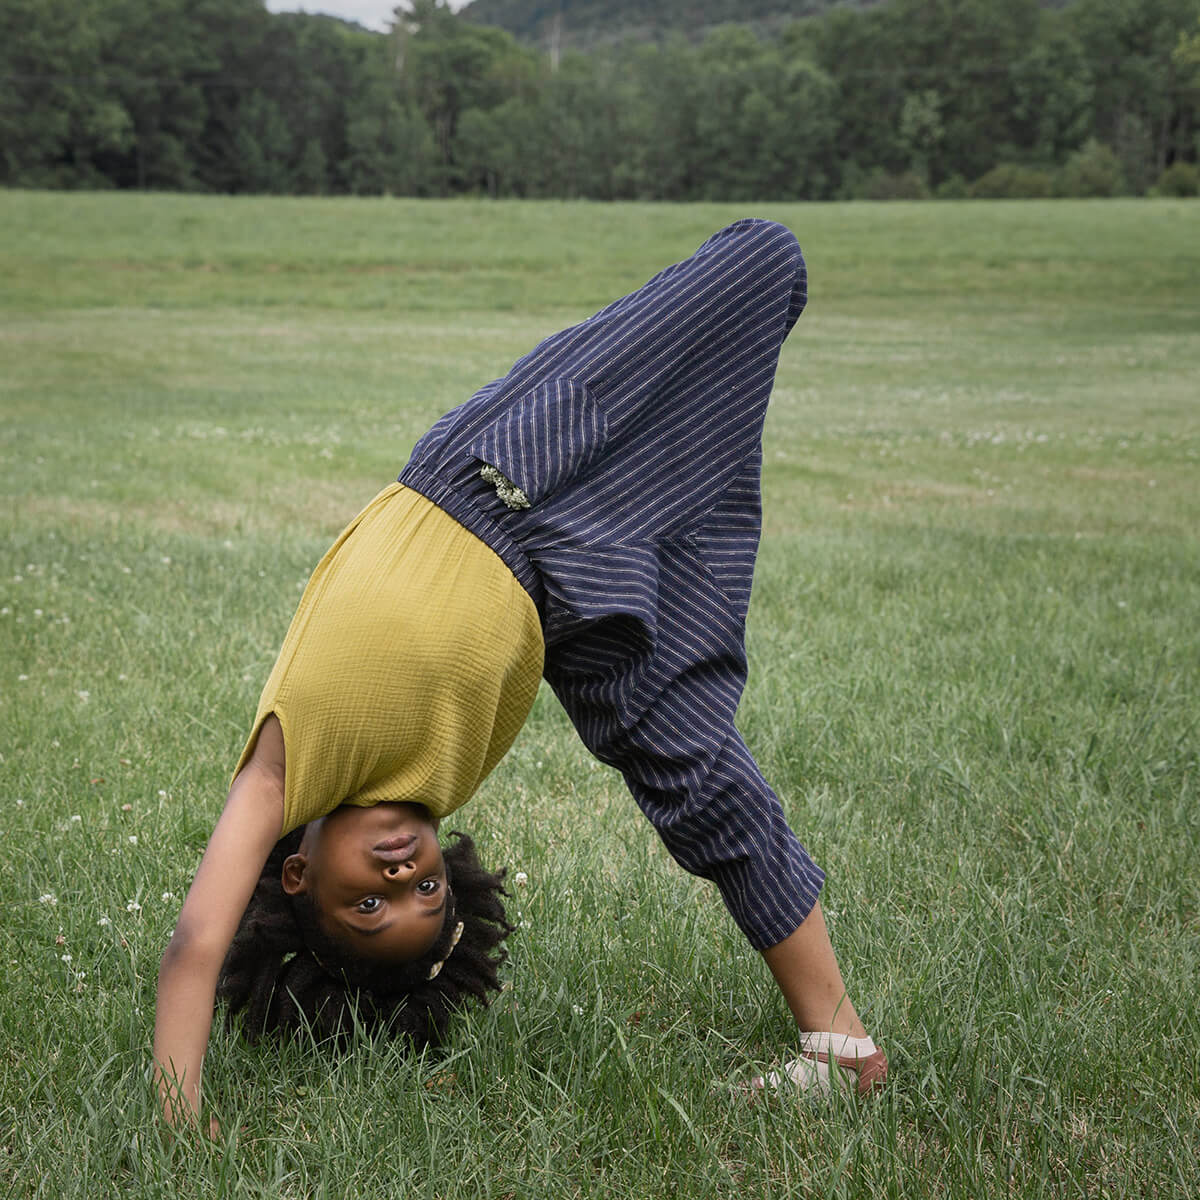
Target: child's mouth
396	849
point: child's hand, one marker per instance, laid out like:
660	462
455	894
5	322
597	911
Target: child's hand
187	979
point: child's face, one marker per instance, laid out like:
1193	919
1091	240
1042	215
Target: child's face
377	878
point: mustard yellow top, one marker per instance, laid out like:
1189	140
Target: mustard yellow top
409	667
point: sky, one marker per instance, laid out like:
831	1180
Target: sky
374	14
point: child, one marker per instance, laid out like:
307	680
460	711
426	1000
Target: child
594	517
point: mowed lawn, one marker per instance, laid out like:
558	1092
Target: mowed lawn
975	684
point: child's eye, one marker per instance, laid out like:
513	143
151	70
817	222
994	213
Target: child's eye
369	905
427	887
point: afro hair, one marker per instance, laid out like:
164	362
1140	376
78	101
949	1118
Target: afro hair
284	975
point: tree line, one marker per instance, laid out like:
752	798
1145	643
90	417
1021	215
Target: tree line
907	98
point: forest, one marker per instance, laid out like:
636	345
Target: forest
583	23
903	99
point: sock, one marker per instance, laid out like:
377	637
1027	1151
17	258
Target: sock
808	1074
841	1044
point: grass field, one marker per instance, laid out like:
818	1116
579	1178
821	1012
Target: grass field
975	678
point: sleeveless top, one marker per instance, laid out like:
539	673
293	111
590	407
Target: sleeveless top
412	662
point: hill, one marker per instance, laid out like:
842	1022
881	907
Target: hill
584	22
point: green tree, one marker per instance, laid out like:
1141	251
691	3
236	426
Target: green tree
1093	170
668	163
1052	95
448	66
1186	60
857	50
262	147
921	129
1143	105
389	146
311	177
56	114
155	57
965	50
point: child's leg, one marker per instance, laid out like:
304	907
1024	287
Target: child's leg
808	975
833	1039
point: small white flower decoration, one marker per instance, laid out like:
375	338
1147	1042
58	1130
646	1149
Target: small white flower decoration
520	879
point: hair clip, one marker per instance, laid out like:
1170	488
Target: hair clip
437	966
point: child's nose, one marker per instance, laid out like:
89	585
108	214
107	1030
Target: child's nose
394	870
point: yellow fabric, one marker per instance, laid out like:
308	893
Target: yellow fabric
408	669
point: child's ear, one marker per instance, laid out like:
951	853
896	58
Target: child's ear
294	876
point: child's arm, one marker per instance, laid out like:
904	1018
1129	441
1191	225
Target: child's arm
247	830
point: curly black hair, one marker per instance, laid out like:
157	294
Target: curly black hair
284	975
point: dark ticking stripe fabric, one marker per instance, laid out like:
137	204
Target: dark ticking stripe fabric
616	470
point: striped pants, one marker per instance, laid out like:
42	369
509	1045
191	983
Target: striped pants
616	470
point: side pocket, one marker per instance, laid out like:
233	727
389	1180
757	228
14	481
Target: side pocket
543	440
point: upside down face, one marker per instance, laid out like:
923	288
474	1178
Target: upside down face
376	877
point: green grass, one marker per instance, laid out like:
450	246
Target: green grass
975	669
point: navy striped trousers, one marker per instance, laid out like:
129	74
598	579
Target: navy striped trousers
616	470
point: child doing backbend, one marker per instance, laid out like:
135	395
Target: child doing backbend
592	517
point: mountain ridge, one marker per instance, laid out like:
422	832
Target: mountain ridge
581	23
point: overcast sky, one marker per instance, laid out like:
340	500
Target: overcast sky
374	14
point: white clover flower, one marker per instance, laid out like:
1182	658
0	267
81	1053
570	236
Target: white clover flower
76	819
520	879
48	898
65	957
133	907
166	560
22	678
103	921
84	695
577	1010
162	792
133	839
168	896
